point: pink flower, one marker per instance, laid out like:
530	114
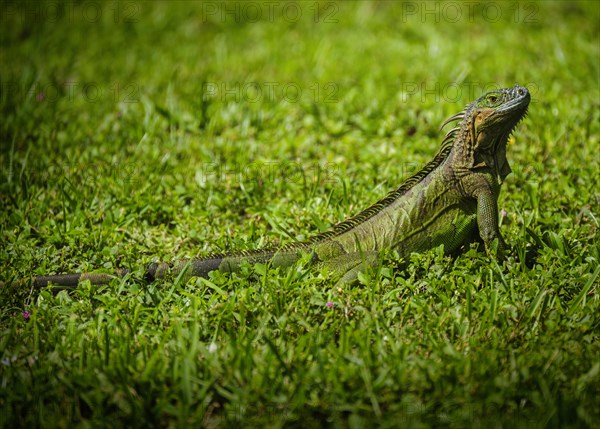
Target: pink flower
329	304
26	315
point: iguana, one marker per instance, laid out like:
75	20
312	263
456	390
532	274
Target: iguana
451	201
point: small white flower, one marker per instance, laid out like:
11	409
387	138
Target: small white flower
212	348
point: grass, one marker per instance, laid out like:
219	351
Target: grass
138	131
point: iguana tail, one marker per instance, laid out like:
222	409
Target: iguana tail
159	271
68	280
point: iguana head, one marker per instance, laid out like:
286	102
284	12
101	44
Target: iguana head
480	138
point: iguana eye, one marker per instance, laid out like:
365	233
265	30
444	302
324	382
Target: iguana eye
492	98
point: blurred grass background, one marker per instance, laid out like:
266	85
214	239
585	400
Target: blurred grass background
137	131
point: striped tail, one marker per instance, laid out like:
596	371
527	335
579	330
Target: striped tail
160	271
67	280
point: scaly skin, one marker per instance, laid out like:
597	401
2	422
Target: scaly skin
452	201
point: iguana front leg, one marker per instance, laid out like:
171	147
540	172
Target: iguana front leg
487	221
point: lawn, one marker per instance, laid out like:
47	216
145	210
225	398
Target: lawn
137	131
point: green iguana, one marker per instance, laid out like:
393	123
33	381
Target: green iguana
451	201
